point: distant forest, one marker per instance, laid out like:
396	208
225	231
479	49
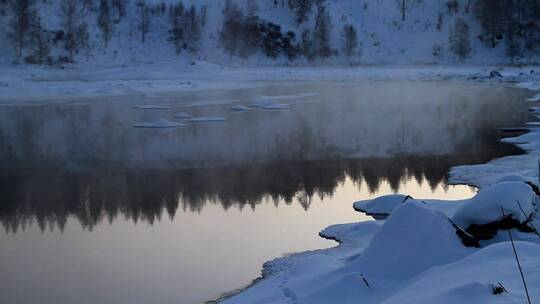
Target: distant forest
243	33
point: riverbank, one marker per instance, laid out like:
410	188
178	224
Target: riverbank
429	251
35	83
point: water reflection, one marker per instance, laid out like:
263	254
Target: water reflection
50	197
115	214
85	160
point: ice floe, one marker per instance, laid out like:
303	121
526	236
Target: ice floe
152	107
268	105
160	123
206	119
182	115
239	108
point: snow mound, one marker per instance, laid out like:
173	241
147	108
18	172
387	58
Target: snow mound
414	238
486	206
383	205
470	280
160	123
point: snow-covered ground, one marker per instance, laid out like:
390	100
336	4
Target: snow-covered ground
32	83
429	251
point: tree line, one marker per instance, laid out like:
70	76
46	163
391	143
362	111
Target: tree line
243	33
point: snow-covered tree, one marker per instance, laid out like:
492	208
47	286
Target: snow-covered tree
321	34
252	8
144	19
23	14
70	22
301	8
177	36
491	15
192	29
460	39
231	32
119	8
306	46
104	21
39	45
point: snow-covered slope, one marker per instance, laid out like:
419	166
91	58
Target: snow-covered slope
422	38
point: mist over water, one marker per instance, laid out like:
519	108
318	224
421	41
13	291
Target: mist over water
193	212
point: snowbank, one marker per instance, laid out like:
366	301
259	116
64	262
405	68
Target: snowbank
516	199
416	254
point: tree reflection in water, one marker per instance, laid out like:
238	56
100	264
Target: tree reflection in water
59	161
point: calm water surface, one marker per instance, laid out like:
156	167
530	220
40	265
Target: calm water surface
96	211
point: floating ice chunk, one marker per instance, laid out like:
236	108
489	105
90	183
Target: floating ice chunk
182	115
285	97
239	108
485	207
260	103
152	107
276	106
209	103
268	105
160	123
207	119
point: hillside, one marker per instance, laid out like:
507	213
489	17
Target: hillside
386	34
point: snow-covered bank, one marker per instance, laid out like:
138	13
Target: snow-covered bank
428	251
31	83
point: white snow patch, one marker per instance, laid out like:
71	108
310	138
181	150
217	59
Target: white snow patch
517	199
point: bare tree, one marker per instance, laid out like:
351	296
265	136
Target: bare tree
349	40
321	34
119	8
69	18
39	45
23	14
460	39
231	32
301	9
144	19
104	21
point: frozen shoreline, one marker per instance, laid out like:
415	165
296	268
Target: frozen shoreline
431	264
33	83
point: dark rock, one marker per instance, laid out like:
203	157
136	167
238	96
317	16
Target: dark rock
494	74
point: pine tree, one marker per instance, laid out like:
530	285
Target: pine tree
349	40
491	15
